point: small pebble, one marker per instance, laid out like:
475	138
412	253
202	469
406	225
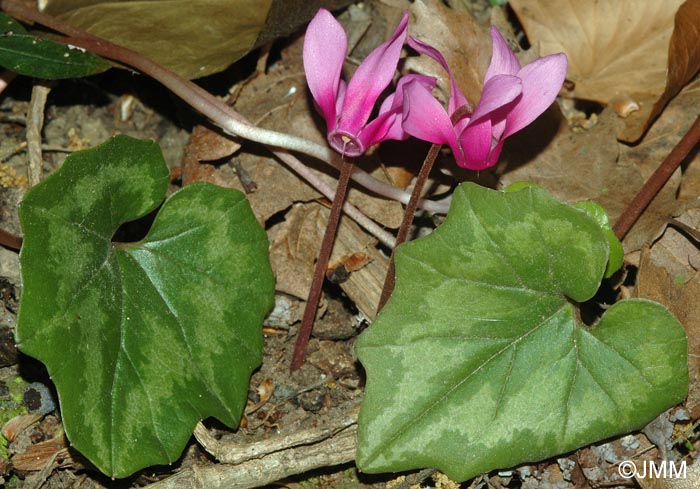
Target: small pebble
38	399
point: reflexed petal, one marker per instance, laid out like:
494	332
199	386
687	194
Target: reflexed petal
457	98
503	61
475	142
325	45
388	124
425	118
497	92
371	78
542	79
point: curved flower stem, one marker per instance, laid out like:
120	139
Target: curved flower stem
207	104
410	211
652	187
326	247
423	175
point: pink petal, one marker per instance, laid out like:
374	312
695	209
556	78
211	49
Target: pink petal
457	98
475	142
503	61
342	87
495	153
371	78
325	45
425	118
388	124
542	79
497	92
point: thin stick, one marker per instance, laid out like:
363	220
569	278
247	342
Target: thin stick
319	273
657	181
9	240
35	124
408	214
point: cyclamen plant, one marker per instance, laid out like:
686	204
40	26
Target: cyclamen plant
512	98
479	360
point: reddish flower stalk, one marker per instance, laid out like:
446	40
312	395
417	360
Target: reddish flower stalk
346	108
324	255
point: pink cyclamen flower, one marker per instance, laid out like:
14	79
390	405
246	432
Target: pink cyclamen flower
512	97
347	107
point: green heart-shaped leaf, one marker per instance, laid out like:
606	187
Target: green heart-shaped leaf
29	55
478	362
142	339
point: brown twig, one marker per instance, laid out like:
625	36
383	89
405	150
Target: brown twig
35	124
320	272
9	240
657	181
408	214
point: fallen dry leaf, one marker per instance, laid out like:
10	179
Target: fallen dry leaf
465	44
18	424
293	250
619	51
205	145
677	253
37	455
194	39
295	246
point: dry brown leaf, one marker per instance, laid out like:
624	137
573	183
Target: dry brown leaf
37	455
675	252
205	145
689	107
619	51
465	44
653	282
194	39
18	424
648	155
293	250
295	246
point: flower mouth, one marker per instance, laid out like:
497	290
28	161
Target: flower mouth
345	143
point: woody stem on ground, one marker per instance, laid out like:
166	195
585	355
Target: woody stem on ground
320	271
657	181
9	240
